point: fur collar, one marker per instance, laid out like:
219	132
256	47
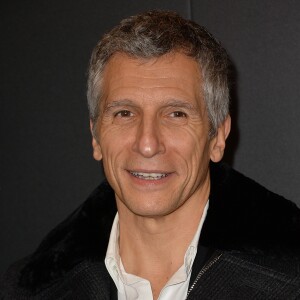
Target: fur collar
242	216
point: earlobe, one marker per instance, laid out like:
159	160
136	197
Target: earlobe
97	153
218	143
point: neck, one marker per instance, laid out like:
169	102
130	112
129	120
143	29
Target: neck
154	247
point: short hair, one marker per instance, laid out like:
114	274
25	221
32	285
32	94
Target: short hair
153	34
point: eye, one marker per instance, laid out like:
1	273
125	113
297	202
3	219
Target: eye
178	114
124	114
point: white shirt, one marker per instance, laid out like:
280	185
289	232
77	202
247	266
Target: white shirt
131	287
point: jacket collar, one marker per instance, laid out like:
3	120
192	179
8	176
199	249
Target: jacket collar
242	216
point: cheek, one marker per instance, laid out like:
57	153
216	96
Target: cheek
114	143
192	155
113	137
190	144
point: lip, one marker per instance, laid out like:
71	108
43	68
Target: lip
148	181
148	171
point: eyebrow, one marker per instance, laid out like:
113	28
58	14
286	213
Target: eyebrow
116	103
180	103
169	102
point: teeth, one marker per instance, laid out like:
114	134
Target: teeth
149	176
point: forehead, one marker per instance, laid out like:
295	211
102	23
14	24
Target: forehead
171	75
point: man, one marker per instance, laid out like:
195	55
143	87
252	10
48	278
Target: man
171	222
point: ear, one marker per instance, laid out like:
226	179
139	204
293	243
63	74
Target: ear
97	153
219	141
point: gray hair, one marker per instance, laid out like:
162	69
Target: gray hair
153	34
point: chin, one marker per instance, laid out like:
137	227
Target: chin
150	208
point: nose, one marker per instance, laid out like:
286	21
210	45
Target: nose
149	141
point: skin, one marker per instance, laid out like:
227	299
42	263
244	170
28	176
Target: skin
154	125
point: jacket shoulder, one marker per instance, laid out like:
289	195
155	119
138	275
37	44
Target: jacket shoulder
75	245
244	276
87	280
244	215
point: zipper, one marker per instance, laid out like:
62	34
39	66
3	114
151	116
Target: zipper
207	266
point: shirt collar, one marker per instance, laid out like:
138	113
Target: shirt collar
191	251
113	261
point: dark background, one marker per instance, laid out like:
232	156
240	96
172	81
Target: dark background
46	160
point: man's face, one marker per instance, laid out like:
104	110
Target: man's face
153	133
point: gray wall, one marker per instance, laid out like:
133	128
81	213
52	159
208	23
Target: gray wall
46	159
263	40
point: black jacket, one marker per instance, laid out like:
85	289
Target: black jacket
249	248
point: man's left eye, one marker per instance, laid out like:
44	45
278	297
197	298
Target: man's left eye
178	114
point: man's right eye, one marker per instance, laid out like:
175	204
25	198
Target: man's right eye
124	114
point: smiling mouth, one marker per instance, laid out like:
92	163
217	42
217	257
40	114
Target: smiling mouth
149	176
